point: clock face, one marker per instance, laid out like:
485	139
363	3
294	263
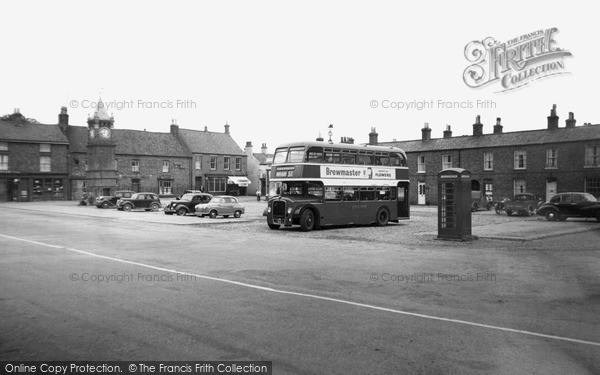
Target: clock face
92	133
104	133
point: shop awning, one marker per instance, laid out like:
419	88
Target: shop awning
240	181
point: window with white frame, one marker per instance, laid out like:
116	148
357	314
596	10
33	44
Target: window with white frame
519	186
45	164
165	168
217	184
3	146
592	186
45	147
198	161
165	187
238	164
488	161
226	162
213	162
446	161
421	164
135	165
3	162
551	158
520	160
592	156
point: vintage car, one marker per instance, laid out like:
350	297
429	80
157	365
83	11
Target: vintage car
146	201
522	204
223	205
565	205
110	201
187	203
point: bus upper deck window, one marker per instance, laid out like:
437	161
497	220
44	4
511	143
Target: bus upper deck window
314	155
333	156
348	158
397	160
296	155
280	155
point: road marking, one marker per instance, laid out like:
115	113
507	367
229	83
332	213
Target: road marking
306	295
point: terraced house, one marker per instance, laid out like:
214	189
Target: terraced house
544	162
62	161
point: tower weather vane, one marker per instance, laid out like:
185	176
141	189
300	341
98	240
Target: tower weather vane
330	132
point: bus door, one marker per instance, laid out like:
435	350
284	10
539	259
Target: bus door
403	201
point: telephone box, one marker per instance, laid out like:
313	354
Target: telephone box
454	204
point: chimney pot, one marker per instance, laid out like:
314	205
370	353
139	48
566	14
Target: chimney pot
448	132
426	132
553	119
226	128
477	126
570	122
498	126
373	137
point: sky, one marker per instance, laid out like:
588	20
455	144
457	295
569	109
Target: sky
280	72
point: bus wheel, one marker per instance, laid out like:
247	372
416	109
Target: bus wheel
307	221
273	226
382	218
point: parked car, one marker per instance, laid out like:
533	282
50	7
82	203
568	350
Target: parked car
223	205
146	201
523	204
565	205
110	201
187	203
188	192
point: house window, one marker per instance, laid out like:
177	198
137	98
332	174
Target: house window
489	190
165	166
421	164
45	163
44	147
592	186
238	164
592	156
3	162
519	186
488	161
520	160
446	161
198	161
135	165
213	163
226	162
3	146
164	187
217	184
551	158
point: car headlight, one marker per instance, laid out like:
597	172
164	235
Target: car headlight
290	211
269	209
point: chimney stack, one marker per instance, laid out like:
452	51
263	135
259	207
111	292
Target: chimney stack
498	127
570	122
372	137
425	132
553	118
226	128
263	149
478	126
248	148
63	117
174	127
348	140
320	139
448	132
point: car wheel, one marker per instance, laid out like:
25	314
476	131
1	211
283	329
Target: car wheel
127	207
105	205
508	212
498	210
154	207
237	214
474	207
182	211
273	226
551	215
213	214
530	211
382	217
307	221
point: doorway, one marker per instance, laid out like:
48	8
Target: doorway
421	196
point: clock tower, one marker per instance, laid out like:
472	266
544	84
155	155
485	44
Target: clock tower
101	174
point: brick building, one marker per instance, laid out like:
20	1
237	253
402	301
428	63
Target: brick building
63	161
544	162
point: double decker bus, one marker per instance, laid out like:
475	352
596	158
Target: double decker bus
314	184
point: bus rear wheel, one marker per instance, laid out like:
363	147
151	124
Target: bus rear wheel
382	218
307	221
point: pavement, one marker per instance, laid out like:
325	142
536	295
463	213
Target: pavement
485	224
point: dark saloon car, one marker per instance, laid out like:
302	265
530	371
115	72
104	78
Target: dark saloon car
110	201
187	203
565	205
145	201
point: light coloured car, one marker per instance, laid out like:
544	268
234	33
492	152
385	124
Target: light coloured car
223	205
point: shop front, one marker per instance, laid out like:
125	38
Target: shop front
17	187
